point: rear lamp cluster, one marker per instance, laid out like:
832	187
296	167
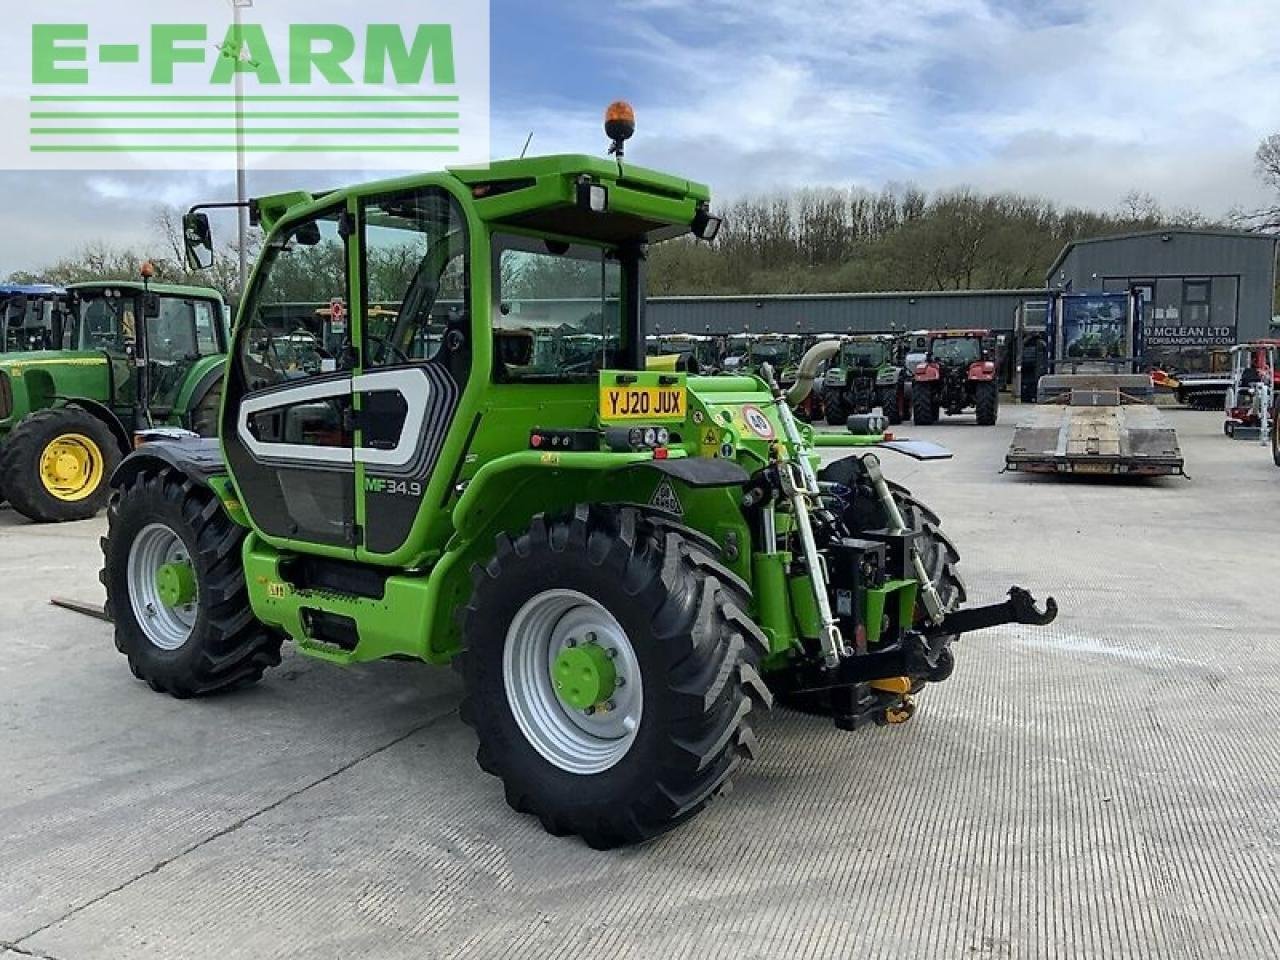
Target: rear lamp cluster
649	437
626	439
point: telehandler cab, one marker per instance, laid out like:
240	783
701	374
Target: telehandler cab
624	565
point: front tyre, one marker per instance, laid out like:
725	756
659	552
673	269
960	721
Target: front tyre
55	466
987	398
610	673
889	399
176	589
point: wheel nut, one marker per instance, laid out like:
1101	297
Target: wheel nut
590	711
620	682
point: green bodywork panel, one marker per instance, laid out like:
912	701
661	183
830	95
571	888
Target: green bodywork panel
103	380
490	480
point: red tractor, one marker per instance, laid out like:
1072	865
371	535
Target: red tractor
957	374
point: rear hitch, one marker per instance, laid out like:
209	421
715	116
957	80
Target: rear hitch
1020	608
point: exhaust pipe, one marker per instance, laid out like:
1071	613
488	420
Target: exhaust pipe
810	367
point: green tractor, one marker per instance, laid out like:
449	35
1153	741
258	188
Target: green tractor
624	565
140	356
869	372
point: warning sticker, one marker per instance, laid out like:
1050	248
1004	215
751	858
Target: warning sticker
709	441
665	499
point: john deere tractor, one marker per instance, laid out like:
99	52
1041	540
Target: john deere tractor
867	373
625	565
140	356
958	374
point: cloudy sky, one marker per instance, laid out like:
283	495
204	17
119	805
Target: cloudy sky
1080	101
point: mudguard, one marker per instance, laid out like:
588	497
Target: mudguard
200	459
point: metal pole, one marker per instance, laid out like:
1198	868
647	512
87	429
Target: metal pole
242	185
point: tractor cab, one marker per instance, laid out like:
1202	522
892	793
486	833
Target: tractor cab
31	317
155	338
692	352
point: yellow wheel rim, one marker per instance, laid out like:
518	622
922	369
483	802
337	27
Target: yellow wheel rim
71	468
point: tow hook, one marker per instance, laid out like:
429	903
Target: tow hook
1020	608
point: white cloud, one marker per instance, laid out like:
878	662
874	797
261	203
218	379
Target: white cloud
1078	101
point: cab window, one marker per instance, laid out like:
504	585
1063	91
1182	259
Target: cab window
559	311
417	279
303	284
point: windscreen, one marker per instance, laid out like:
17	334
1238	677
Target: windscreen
560	311
957	350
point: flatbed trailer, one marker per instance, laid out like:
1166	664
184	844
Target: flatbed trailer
1096	410
1096	424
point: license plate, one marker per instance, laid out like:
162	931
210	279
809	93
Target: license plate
651	404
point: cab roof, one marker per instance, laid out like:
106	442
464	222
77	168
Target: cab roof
541	194
135	286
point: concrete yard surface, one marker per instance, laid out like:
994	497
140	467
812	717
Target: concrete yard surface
1106	787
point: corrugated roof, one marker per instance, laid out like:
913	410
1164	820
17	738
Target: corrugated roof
1140	234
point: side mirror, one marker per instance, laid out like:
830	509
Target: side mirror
197	237
308	235
151	306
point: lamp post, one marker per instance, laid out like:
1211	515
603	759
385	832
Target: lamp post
242	186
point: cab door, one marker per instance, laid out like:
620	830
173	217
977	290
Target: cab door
415	351
288	425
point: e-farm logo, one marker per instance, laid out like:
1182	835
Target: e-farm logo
282	84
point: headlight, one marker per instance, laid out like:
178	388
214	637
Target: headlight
651	437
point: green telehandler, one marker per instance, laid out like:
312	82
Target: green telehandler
136	356
625	565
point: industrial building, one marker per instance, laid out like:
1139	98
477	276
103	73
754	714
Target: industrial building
1205	290
841	312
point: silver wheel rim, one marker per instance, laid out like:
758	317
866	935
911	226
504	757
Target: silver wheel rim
168	628
572	740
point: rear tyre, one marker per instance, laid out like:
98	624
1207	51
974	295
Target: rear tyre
987	398
56	466
176	589
649	604
889	399
924	408
837	412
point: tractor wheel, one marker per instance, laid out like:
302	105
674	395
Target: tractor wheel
940	556
176	589
55	467
889	399
204	417
987	398
610	673
837	412
1275	436
924	409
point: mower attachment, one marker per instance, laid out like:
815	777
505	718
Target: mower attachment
1019	608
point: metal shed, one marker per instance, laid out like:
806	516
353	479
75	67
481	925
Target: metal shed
1204	289
840	312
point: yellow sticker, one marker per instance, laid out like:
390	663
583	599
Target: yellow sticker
277	591
551	459
710	442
